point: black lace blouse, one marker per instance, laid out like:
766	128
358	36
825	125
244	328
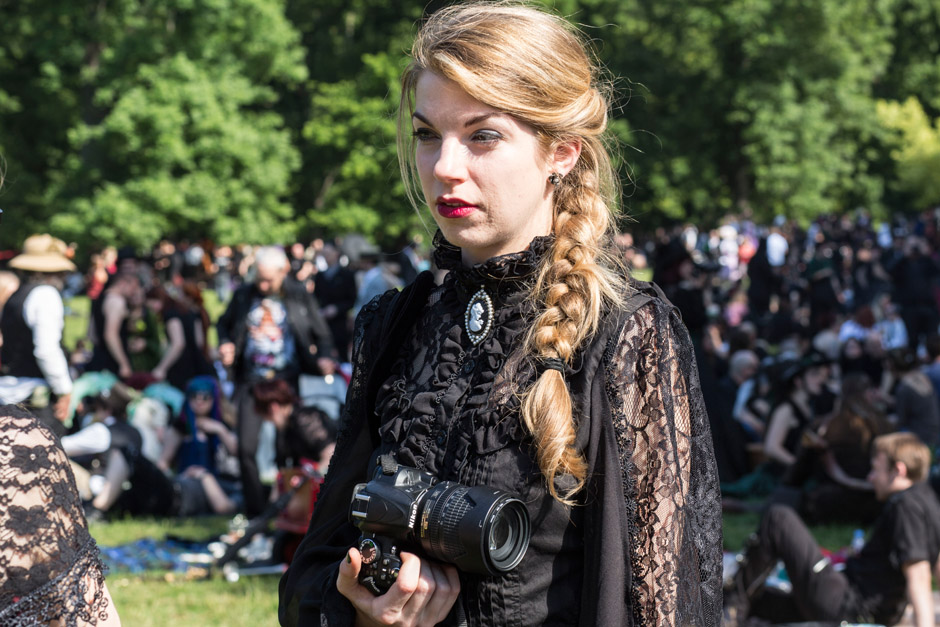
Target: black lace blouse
643	547
49	565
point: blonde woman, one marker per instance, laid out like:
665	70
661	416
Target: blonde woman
537	367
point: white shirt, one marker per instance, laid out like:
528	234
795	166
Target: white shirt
777	248
45	315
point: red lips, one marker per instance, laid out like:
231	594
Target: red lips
454	207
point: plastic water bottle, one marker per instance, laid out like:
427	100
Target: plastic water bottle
858	541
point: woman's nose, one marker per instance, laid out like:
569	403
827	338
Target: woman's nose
451	161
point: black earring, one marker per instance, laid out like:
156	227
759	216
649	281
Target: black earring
554	178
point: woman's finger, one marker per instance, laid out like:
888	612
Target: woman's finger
419	589
446	589
347	583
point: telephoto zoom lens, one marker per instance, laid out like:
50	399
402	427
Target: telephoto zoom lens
480	530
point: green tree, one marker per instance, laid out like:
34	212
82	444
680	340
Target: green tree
349	179
916	149
168	121
745	104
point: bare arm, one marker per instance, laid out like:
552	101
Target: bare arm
838	474
174	332
171	444
115	311
781	421
214	427
919	592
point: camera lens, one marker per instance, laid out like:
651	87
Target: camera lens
500	534
479	529
503	536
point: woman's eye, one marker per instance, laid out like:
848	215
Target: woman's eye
486	137
423	134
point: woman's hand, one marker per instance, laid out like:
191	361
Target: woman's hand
422	596
210	425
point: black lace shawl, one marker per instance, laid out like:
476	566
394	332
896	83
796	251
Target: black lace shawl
49	564
643	547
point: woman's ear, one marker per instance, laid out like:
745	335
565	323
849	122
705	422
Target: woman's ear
565	156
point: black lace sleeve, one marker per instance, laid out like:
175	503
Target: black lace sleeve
669	473
49	565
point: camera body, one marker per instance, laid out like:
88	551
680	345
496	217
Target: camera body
478	529
387	507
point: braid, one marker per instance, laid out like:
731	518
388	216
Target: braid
557	88
574	286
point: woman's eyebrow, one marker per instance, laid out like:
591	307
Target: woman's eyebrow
479	118
474	120
417	114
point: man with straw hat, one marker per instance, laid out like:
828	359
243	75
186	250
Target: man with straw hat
34	367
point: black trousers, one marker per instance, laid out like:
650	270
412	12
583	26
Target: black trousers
921	321
819	592
248	430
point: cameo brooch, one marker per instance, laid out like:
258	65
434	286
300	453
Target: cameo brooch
478	317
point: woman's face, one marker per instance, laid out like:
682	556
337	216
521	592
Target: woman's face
200	403
483	173
814	379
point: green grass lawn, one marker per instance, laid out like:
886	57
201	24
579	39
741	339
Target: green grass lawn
737	527
162	599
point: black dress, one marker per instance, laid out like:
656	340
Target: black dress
49	564
642	547
191	362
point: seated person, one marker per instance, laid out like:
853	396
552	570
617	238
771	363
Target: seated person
838	490
306	433
894	566
803	380
204	450
122	478
107	447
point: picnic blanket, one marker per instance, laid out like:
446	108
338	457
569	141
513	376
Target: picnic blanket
172	554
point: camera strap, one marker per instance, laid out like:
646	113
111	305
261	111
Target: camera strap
402	314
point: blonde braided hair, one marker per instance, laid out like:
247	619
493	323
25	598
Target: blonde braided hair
534	66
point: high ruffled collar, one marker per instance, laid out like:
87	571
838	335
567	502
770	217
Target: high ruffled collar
496	275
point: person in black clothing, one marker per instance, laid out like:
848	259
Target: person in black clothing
894	566
272	329
912	278
538	367
109	316
184	357
335	291
730	436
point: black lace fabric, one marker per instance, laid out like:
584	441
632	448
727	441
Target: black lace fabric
669	475
643	547
50	571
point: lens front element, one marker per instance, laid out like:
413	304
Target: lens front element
480	530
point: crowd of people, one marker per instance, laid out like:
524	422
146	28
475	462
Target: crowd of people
811	344
818	355
156	418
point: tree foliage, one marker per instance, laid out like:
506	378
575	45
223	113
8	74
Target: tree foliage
916	149
262	120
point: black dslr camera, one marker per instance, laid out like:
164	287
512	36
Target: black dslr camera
480	530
